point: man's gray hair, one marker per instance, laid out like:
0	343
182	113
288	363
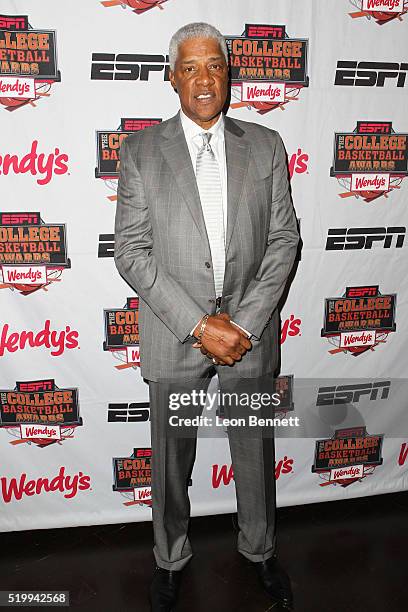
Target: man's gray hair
198	29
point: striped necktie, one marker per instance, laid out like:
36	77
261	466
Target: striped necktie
209	187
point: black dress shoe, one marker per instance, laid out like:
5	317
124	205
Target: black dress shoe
164	589
275	581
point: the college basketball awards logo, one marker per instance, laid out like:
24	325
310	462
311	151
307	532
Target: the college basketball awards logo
107	149
381	11
360	320
350	455
28	62
122	333
137	6
132	477
267	68
38	412
371	161
284	387
33	254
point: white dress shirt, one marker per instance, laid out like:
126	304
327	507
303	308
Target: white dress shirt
192	133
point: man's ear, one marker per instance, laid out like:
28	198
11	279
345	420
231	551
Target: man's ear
172	80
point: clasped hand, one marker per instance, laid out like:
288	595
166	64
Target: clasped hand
222	340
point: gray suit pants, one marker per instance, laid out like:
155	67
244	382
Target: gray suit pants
253	460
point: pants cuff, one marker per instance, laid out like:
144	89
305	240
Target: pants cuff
174	566
257	558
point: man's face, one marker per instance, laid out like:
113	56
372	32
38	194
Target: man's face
201	79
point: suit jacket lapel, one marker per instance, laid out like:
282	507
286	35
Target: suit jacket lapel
237	151
175	151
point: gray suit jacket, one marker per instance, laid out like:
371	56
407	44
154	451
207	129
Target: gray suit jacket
162	248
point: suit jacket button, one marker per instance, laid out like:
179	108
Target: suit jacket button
207	264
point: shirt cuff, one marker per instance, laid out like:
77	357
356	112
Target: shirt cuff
192	331
243	329
233	322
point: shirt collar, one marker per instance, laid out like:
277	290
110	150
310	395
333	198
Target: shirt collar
191	129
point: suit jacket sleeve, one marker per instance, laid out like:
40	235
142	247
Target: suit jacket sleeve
135	260
264	290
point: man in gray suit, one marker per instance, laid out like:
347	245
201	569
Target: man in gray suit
206	235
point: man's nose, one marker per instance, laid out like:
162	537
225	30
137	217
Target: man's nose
204	76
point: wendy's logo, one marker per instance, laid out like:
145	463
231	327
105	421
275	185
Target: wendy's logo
379	11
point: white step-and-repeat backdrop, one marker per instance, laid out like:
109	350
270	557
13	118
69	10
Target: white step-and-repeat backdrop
76	78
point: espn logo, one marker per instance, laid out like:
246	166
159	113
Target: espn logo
17	218
374	127
135	125
370	74
361	292
357	238
106	245
36	385
352	394
264	31
127	66
135	412
17	22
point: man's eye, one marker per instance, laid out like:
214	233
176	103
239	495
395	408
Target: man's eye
216	66
189	69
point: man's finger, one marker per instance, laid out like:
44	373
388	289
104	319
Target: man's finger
220	362
236	356
245	342
241	350
225	361
217	359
